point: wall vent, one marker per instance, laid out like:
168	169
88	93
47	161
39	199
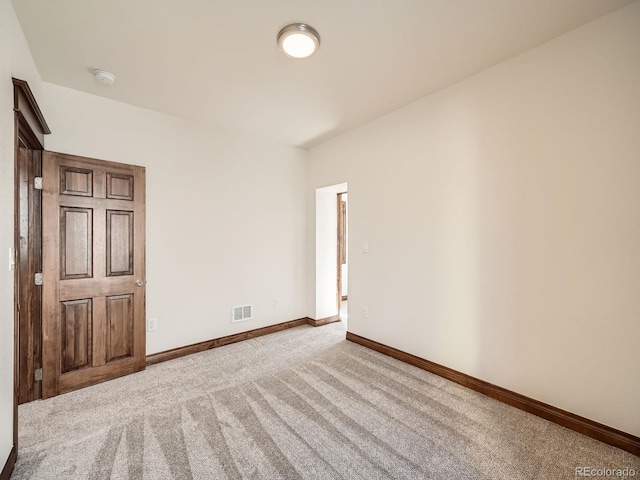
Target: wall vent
241	313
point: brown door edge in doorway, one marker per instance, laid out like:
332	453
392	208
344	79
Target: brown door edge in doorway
341	246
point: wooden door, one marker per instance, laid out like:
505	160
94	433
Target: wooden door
93	271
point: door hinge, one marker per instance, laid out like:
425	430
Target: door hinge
38	278
37	183
37	375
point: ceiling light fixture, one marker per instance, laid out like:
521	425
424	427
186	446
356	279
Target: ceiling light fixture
298	40
105	77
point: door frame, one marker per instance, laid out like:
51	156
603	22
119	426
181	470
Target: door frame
30	127
28	241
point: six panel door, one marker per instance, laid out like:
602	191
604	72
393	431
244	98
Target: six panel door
93	271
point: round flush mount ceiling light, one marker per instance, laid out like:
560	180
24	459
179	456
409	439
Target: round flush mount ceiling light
105	77
298	40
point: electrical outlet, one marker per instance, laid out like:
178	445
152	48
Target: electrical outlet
152	325
276	302
365	312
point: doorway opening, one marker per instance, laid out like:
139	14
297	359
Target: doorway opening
331	253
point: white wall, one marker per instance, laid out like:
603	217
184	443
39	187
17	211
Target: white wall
503	222
226	215
15	61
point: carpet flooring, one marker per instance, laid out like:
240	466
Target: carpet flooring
302	403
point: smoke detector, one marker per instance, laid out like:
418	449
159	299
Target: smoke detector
105	77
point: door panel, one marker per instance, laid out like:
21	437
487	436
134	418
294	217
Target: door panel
75	323
120	327
119	186
76	181
119	243
93	254
76	244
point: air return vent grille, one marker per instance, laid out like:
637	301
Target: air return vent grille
241	313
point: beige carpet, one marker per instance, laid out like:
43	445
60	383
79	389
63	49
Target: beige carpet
302	403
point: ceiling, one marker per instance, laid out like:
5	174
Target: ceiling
216	61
